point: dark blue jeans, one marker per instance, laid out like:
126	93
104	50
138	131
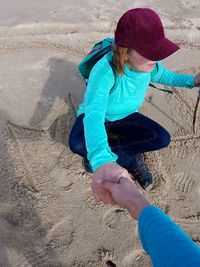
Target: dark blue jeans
127	137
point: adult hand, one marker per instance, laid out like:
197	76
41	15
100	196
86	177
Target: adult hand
109	171
197	80
126	194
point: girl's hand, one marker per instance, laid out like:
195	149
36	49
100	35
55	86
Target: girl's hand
197	80
112	172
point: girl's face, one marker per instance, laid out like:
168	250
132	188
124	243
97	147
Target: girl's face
138	62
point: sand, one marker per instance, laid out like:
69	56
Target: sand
48	216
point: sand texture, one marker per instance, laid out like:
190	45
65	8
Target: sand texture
48	217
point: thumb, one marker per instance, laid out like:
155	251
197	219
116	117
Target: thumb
109	185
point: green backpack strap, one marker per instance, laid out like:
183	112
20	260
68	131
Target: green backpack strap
163	90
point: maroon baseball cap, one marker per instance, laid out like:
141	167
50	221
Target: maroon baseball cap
141	29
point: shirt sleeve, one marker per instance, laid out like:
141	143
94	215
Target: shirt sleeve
167	77
165	242
100	83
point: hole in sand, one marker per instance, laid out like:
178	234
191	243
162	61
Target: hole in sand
119	210
110	264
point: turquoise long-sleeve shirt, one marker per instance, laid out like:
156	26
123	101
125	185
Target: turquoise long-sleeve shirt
165	242
112	98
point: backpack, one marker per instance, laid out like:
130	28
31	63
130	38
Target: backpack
97	52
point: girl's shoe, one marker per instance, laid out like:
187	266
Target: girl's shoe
141	173
86	165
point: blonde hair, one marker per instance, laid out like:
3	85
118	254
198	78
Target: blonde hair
119	58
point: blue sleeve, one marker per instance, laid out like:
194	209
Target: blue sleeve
168	77
165	242
101	81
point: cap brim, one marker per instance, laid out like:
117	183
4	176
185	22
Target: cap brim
160	50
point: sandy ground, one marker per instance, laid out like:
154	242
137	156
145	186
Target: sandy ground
48	216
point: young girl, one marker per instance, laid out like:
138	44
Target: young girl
109	133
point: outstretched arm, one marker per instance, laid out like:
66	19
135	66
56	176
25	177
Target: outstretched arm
171	78
165	242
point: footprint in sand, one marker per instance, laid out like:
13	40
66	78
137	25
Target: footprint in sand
62	233
183	183
89	201
37	259
63	178
189	3
112	217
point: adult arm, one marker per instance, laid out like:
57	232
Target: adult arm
166	243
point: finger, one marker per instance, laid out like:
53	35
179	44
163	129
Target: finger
106	198
111	199
109	185
103	194
112	202
97	198
94	188
126	180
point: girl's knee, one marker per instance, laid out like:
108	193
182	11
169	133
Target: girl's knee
165	138
76	146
